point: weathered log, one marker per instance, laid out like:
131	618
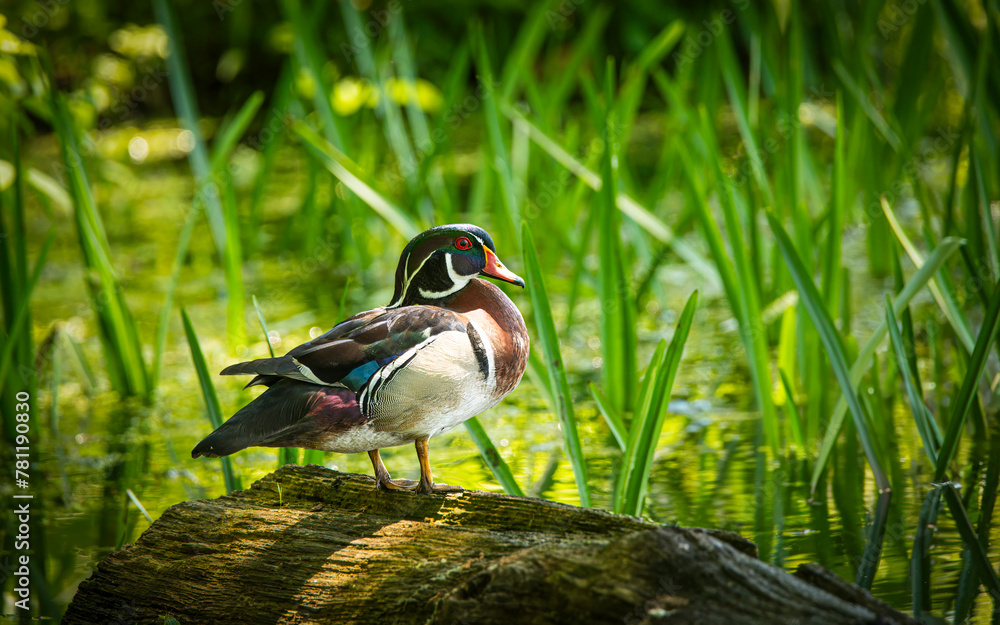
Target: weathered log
310	545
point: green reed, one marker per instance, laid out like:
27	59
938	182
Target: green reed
212	407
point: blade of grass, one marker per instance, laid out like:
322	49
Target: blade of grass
614	420
874	542
286	455
233	265
813	304
118	331
425	145
945	298
342	309
386	108
862	100
986	214
47	187
233	259
501	157
832	270
524	50
970	386
212	406
17	329
540	378
982	561
263	325
341	167
182	93
138	504
637	75
309	58
281	98
213	188
491	456
618	335
229	136
219	159
747	302
861	364
644	433
583	46
183	244
794	419
920	558
15	297
920	412
554	364
645	403
968	585
733	79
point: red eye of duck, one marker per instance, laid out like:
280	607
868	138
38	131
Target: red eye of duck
463	243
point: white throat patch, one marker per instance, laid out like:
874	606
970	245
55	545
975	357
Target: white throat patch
458	282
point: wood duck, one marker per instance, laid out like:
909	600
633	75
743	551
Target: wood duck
448	347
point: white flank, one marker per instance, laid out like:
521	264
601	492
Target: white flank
381	374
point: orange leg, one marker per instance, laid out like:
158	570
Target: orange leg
383	481
427	484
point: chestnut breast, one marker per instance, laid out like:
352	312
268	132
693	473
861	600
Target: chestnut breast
499	319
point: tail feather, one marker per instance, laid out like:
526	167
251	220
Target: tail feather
283	366
287	414
265	380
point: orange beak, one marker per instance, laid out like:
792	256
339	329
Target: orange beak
495	269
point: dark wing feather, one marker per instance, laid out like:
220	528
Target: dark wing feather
267	371
289	413
360	344
282	366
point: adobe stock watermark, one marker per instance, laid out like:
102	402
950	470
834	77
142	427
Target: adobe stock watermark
553	188
928	157
896	15
224	7
694	45
786	124
378	19
40	18
560	16
454	117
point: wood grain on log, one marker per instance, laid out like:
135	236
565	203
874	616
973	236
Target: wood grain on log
310	545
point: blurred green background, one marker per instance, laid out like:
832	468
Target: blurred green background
258	163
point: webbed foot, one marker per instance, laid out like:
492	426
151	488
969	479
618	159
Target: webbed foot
397	484
427	489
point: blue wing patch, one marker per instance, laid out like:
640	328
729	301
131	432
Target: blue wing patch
360	375
357	377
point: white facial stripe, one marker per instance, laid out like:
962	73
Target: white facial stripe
406	282
408	279
458	282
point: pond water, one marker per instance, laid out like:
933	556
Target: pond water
707	470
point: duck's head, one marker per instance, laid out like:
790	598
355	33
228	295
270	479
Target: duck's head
441	261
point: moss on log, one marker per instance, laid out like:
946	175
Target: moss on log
310	545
